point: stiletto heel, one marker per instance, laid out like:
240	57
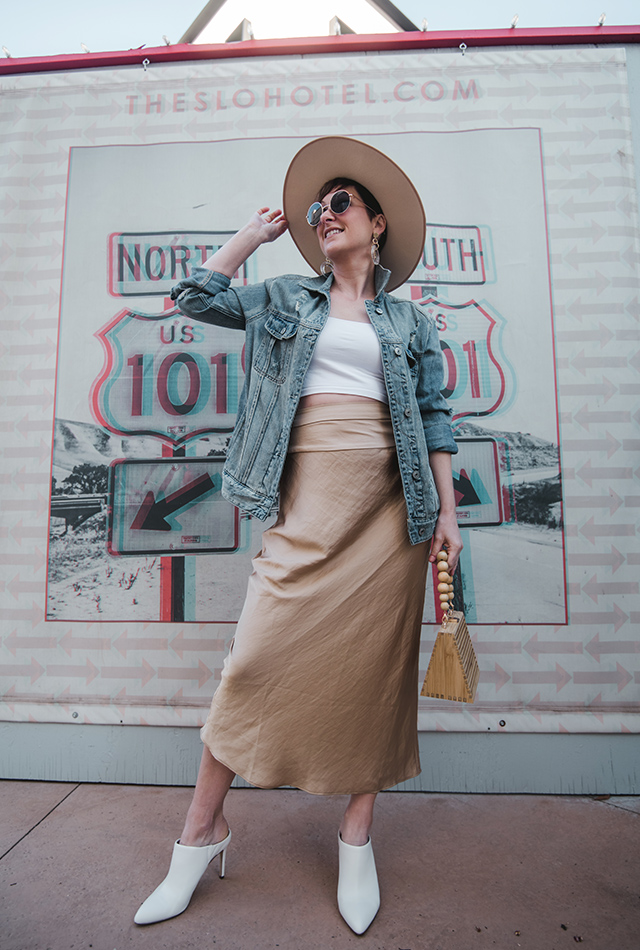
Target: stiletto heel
188	865
358	890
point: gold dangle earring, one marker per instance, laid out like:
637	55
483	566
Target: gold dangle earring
326	267
375	249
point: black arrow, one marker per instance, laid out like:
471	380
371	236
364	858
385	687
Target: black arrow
152	513
464	490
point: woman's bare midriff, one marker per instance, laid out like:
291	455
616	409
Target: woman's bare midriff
330	399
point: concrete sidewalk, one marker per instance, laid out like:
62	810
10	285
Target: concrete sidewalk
457	872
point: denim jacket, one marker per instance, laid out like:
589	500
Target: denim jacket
283	318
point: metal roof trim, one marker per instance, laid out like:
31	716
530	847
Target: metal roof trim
323	45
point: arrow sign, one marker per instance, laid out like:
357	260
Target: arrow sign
595	588
496	646
181	644
21	531
36	560
535	647
596	647
146	496
464	490
15	642
498	676
145	672
33	670
616	617
124	643
32	614
476	481
620	677
605	389
202	674
591	530
559	678
68	643
151	515
608	473
614	560
87	671
610	501
584	417
17	587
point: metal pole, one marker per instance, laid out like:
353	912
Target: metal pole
177	573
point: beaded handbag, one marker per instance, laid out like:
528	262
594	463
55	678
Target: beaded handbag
453	669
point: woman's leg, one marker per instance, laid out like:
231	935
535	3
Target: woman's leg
206	835
355	827
205	823
358	890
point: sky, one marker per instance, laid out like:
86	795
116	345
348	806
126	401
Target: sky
45	27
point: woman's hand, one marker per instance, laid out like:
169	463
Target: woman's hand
268	225
262	227
447	537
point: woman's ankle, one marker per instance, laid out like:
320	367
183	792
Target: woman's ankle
198	833
357	820
354	833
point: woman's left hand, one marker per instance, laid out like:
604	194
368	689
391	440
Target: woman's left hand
268	225
447	537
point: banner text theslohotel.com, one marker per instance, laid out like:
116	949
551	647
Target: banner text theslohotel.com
329	94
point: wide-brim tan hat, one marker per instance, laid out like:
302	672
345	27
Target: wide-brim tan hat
336	156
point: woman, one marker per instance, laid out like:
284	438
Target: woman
342	417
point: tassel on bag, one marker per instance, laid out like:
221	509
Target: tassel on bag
453	671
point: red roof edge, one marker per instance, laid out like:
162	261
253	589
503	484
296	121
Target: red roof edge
313	46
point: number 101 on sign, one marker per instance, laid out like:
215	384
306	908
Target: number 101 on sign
168	378
183	383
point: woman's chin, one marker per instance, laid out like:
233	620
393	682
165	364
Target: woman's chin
331	246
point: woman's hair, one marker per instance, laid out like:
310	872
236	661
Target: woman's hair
373	205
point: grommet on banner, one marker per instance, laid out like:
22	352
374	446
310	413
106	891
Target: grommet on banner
463	47
145	63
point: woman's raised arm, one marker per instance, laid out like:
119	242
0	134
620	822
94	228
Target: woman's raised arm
261	228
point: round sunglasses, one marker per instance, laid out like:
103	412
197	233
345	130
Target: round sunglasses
338	204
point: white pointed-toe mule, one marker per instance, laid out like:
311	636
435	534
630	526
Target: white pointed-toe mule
358	890
187	867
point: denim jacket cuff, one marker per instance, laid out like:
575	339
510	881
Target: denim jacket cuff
202	278
440	439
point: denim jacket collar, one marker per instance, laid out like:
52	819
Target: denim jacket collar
323	284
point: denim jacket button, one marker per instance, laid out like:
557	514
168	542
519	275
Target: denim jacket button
378	310
407	412
422	532
397	351
416	474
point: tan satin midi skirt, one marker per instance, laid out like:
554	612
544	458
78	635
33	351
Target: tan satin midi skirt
320	688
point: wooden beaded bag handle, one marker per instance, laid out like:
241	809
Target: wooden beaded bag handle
453	669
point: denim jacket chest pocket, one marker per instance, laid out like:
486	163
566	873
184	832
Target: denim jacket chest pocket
273	355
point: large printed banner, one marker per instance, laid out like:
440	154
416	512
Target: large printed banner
118	183
164	383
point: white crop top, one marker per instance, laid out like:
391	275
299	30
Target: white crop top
346	360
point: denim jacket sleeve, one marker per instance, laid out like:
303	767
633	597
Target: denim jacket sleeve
434	410
205	295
